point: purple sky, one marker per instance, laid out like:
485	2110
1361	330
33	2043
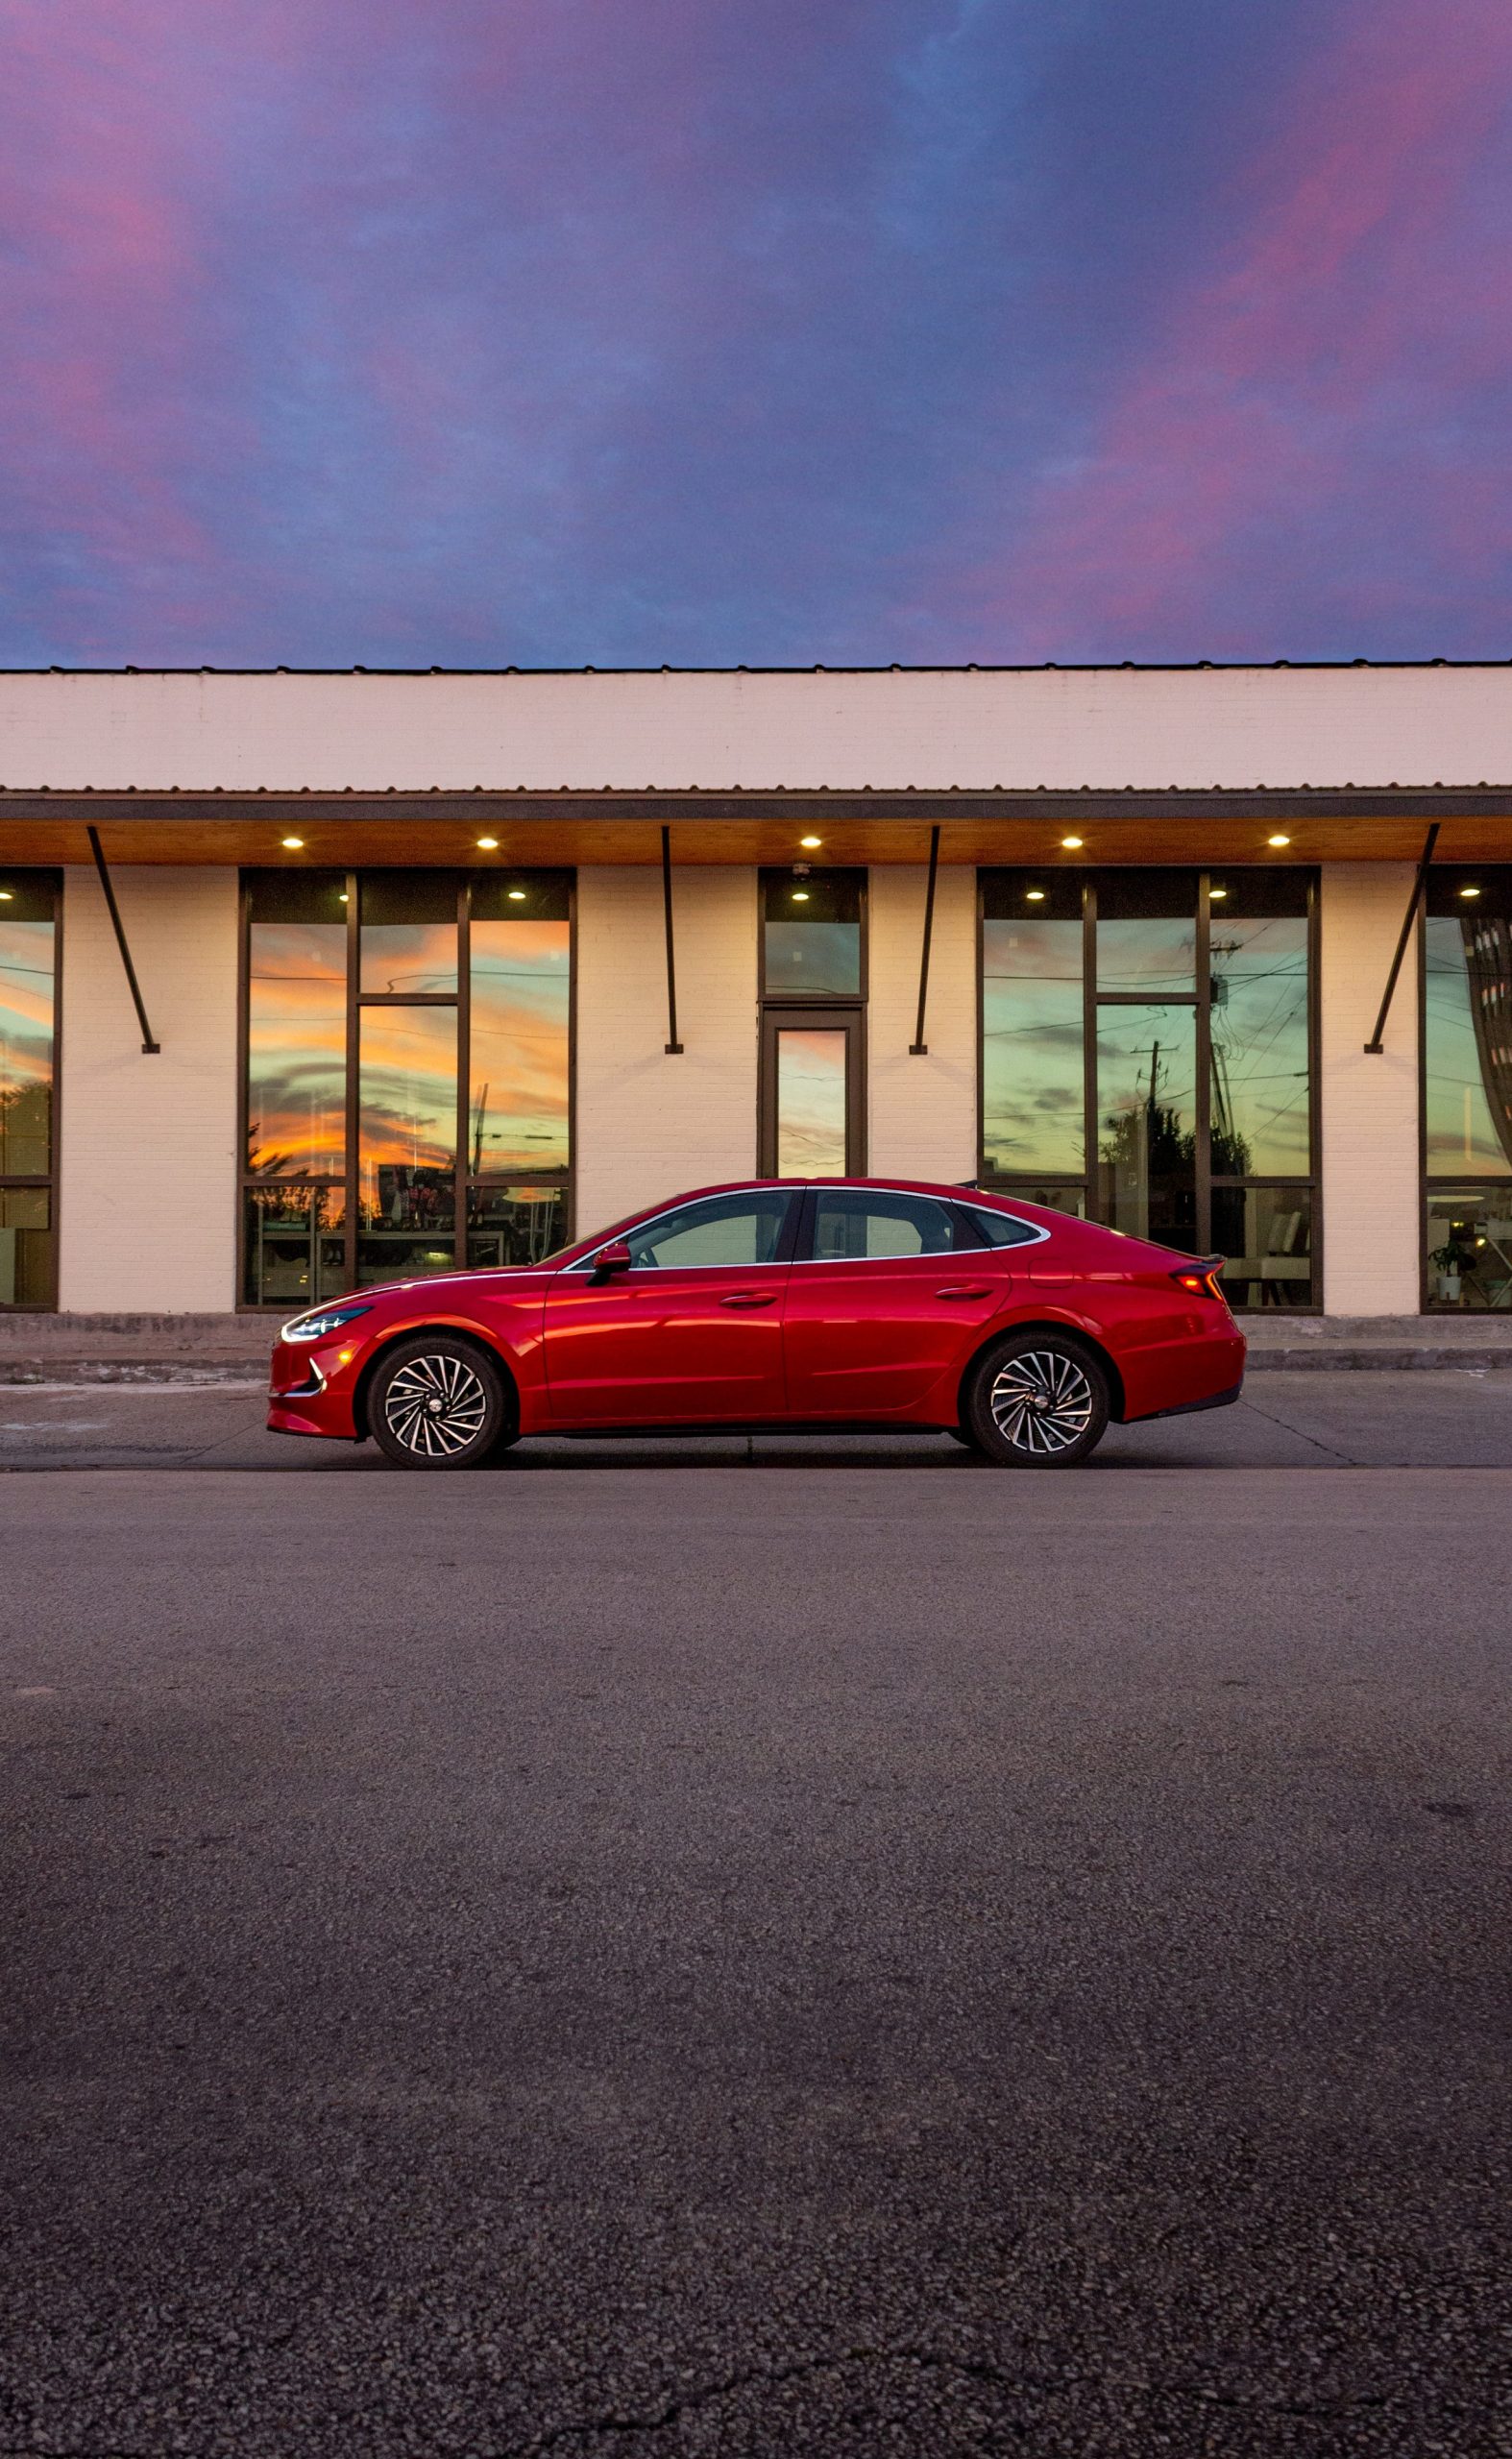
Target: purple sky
551	332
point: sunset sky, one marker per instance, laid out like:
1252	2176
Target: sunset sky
485	332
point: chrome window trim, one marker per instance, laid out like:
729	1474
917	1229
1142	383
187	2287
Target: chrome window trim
1038	1236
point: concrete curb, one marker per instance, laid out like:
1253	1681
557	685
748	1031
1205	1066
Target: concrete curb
1380	1358
57	1374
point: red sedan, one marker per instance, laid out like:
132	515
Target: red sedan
849	1305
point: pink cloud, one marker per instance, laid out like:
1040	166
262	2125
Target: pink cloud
1351	283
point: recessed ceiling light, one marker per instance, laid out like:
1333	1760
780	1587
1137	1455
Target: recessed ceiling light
342	898
1072	842
517	896
488	844
1034	896
800	896
1469	892
1216	893
292	842
1277	840
811	842
6	896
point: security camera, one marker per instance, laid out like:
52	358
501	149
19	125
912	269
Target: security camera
801	871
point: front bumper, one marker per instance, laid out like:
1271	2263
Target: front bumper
311	1387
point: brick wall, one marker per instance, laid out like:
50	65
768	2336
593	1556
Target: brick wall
147	1199
1370	1106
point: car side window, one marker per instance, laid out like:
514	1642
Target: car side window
865	1222
731	1230
993	1228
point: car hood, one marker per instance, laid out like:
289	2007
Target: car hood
443	1290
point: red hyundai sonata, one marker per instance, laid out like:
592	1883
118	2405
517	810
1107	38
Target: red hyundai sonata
849	1305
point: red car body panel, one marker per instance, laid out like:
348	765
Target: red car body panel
870	1341
698	1346
871	1338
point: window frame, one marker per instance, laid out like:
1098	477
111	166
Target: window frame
1468	1180
961	1212
778	994
50	875
464	1182
790	1190
1199	999
778	1016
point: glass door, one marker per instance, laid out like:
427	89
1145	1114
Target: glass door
811	1093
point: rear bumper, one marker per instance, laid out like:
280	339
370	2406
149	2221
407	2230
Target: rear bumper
1205	1370
1189	1408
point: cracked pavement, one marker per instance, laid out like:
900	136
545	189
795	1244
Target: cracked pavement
838	1952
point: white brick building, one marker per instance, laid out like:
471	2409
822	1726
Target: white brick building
402	943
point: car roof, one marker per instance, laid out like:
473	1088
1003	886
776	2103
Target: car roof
952	1191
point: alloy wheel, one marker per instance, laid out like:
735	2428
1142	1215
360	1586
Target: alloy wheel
436	1406
1041	1402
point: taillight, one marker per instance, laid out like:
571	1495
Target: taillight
1202	1278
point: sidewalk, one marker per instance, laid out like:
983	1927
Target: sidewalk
135	1349
233	1348
1379	1342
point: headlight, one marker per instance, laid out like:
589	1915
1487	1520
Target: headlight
314	1328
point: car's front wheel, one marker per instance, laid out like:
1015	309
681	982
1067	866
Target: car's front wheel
1038	1400
438	1403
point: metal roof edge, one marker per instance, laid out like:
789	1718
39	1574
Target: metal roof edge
499	674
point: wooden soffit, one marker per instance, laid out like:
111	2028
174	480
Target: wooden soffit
443	829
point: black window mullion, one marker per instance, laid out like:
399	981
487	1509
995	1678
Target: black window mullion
353	1030
1203	954
1089	1043
464	1046
1147	999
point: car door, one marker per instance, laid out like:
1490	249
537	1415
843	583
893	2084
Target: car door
691	1333
883	1300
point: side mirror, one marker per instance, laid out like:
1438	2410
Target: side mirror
610	1259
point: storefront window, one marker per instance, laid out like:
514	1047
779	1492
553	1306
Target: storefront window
1033	1112
1467	1089
297	1026
28	1058
1146	1060
521	1006
415	1026
811	934
1147	1121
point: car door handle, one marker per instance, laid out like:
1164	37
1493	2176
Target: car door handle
971	1289
750	1298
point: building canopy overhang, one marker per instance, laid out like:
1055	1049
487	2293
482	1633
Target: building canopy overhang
1148	765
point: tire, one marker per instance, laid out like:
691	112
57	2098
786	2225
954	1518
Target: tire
438	1403
1038	1400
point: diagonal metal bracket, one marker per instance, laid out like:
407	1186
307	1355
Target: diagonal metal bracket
1375	1044
919	1047
673	1045
149	1046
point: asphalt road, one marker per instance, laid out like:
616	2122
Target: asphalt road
786	1957
1449	1418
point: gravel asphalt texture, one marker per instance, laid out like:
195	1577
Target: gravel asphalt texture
838	1951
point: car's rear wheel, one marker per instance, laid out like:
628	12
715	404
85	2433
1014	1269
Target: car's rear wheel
1038	1400
438	1403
